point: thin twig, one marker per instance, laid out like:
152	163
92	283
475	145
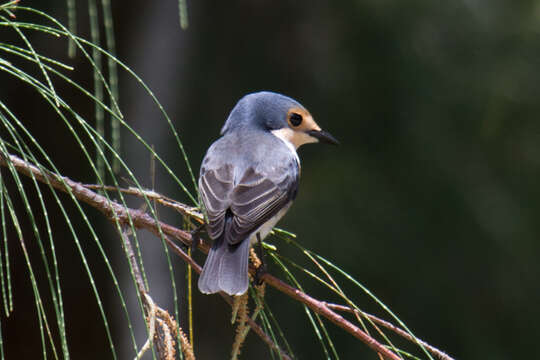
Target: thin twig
150	307
151	327
133	261
320	308
388	325
191	212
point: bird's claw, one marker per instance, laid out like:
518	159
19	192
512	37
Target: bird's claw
259	274
261	269
195	237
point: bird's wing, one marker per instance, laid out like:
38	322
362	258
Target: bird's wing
249	203
215	188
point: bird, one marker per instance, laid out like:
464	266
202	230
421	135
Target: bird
248	180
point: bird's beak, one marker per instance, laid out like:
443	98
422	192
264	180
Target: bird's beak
323	136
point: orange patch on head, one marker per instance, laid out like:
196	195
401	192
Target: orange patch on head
300	124
300	119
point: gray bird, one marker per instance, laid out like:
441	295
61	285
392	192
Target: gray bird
248	180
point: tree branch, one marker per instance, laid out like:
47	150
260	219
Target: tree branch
116	212
140	219
164	342
438	353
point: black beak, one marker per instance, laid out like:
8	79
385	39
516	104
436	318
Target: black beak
323	136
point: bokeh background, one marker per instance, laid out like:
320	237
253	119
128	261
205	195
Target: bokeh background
432	201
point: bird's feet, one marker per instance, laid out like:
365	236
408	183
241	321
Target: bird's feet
259	274
261	269
195	237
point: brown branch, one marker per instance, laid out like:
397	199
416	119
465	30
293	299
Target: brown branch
192	212
120	214
388	325
164	342
322	309
133	262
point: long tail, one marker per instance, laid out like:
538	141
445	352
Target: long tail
226	268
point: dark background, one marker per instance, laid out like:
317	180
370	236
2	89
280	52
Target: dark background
431	201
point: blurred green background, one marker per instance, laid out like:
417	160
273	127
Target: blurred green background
432	200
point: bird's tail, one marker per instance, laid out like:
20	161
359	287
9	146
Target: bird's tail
226	268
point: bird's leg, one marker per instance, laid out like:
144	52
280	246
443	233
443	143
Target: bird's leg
261	270
195	238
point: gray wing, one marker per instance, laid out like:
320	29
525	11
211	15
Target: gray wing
250	201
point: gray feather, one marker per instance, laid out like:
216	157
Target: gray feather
226	269
209	278
259	109
252	190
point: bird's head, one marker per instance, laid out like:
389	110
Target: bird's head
279	114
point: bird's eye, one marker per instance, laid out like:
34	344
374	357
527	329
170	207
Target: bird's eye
295	119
